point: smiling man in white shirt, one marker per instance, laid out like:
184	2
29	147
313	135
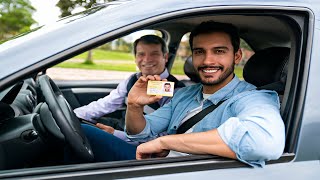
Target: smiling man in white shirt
151	56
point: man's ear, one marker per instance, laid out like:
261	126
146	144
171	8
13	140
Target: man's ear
238	56
166	56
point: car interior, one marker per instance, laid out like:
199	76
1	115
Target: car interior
32	134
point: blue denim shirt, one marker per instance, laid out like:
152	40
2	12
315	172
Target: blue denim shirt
249	121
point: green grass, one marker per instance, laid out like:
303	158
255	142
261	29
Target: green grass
99	66
177	67
238	71
99	54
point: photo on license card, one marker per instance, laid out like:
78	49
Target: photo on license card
162	88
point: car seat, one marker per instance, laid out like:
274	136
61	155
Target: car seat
190	72
267	69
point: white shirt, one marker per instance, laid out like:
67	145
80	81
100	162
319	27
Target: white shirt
110	103
188	116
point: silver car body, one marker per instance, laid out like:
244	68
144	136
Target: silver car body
40	49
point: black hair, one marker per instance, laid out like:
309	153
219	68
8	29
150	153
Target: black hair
150	39
211	26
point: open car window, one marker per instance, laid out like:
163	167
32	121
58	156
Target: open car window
32	145
111	61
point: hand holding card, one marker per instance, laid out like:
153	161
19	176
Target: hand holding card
162	88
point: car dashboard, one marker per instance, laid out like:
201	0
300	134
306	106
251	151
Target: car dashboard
25	139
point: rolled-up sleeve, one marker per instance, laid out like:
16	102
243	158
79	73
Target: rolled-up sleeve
143	136
156	122
256	133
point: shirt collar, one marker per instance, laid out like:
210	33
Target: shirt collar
222	94
163	75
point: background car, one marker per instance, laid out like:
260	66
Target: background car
37	123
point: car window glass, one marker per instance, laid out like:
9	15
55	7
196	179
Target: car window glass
111	61
184	52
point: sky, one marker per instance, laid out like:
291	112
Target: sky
46	11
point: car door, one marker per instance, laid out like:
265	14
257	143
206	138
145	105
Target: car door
80	90
79	93
301	155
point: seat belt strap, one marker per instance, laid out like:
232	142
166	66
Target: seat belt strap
196	118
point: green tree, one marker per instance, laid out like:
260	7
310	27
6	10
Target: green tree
123	45
66	8
15	17
243	44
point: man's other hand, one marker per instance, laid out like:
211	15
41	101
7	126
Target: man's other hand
106	128
151	149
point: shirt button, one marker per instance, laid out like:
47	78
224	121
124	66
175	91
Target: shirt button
174	127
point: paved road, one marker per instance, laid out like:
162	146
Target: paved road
83	74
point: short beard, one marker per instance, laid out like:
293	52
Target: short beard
227	73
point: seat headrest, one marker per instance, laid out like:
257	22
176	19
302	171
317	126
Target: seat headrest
190	71
267	66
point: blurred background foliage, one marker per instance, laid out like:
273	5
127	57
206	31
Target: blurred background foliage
15	17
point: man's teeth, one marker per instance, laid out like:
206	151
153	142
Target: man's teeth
210	70
148	65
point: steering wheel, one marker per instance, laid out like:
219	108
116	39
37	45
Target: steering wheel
65	118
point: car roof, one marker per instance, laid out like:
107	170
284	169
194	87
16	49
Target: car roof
46	43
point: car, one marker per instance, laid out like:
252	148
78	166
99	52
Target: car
36	111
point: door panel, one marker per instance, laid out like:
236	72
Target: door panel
80	93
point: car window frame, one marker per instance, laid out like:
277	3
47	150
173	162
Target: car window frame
203	160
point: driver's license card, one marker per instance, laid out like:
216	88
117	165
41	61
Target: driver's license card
162	88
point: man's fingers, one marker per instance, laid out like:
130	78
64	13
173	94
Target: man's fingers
140	155
142	79
151	78
99	125
157	97
164	153
141	152
102	126
157	78
106	128
143	156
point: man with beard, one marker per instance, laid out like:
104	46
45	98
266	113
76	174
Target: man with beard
246	126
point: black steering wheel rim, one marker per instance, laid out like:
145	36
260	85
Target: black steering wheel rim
65	118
